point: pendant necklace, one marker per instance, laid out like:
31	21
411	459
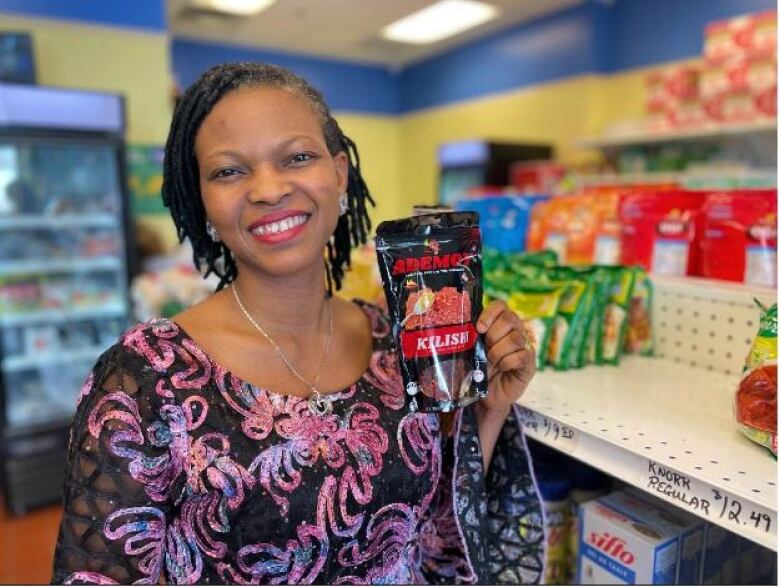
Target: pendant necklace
319	405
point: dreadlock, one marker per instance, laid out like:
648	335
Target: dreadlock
181	184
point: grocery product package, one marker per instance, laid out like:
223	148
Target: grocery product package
639	336
615	548
569	326
673	97
554	488
503	219
603	278
587	484
746	34
756	397
431	269
739	239
536	177
689	528
660	229
582	228
631	538
614	324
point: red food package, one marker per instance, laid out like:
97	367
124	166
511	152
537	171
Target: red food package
755	402
739	237
743	34
659	230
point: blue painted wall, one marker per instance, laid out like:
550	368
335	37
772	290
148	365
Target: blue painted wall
144	14
554	47
346	86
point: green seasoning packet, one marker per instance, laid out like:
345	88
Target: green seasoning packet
639	338
572	313
541	258
537	305
601	278
613	327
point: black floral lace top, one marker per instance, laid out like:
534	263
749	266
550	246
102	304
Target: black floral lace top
180	471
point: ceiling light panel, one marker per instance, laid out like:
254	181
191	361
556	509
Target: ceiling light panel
439	21
235	7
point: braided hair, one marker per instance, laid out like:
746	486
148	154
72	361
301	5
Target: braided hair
181	184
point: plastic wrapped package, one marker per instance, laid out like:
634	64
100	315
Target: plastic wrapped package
756	397
739	239
614	325
503	219
431	267
659	230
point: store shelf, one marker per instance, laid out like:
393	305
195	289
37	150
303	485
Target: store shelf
703	134
58	222
63	315
75	265
652	422
19	363
714	179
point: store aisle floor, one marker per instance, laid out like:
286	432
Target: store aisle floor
27	545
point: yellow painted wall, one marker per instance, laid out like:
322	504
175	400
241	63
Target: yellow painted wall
552	113
556	113
379	144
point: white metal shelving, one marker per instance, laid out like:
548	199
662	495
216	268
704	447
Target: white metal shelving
653	414
58	222
108	310
22	362
75	265
692	135
673	412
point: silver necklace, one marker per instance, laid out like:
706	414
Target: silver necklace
319	405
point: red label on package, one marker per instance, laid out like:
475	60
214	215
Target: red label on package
438	341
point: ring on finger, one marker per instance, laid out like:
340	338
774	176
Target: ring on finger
529	339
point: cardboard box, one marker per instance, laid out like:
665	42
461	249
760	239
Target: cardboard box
618	548
690	528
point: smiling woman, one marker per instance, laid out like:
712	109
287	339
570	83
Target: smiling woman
262	435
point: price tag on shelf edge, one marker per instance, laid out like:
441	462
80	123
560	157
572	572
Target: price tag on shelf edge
711	503
549	430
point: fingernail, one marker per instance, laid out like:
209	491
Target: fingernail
481	327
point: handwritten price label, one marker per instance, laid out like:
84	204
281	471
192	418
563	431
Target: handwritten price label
549	430
712	503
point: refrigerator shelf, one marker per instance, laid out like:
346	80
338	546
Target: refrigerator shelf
22	362
63	315
58	222
10	268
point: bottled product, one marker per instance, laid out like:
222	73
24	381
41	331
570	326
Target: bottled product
587	484
554	488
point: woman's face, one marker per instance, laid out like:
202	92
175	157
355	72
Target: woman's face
268	182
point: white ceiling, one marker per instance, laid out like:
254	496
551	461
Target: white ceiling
341	29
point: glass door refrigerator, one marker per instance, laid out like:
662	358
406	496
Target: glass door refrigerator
64	271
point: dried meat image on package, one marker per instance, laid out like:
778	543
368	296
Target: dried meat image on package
431	268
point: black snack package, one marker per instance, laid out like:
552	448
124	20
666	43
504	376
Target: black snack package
431	267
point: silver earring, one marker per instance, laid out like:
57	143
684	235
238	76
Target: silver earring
343	203
212	231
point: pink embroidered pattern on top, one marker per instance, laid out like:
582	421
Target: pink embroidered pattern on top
223	481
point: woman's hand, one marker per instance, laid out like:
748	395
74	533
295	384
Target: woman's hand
511	357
